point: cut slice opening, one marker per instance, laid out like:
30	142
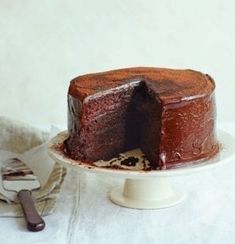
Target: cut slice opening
119	121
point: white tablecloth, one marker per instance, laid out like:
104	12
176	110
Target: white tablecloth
84	213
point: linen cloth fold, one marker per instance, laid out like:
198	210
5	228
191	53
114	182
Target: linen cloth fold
29	144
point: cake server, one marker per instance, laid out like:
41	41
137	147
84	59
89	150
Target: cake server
17	177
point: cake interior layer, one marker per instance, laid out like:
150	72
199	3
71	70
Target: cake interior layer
116	122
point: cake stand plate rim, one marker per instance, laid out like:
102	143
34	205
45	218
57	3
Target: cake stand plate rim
226	154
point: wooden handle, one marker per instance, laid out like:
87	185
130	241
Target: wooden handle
33	219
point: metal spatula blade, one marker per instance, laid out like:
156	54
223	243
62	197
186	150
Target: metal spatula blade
17	177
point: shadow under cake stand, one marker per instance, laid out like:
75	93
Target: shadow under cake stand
143	189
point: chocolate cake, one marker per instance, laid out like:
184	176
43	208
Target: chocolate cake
169	114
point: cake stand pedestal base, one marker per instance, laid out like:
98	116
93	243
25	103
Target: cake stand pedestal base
146	194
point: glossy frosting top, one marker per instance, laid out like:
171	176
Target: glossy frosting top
170	85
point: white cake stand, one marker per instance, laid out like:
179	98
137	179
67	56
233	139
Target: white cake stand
144	189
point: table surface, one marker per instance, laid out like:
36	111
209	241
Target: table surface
84	213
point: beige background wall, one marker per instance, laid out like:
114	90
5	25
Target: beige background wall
43	44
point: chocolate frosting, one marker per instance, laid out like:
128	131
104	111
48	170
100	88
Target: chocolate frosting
170	85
